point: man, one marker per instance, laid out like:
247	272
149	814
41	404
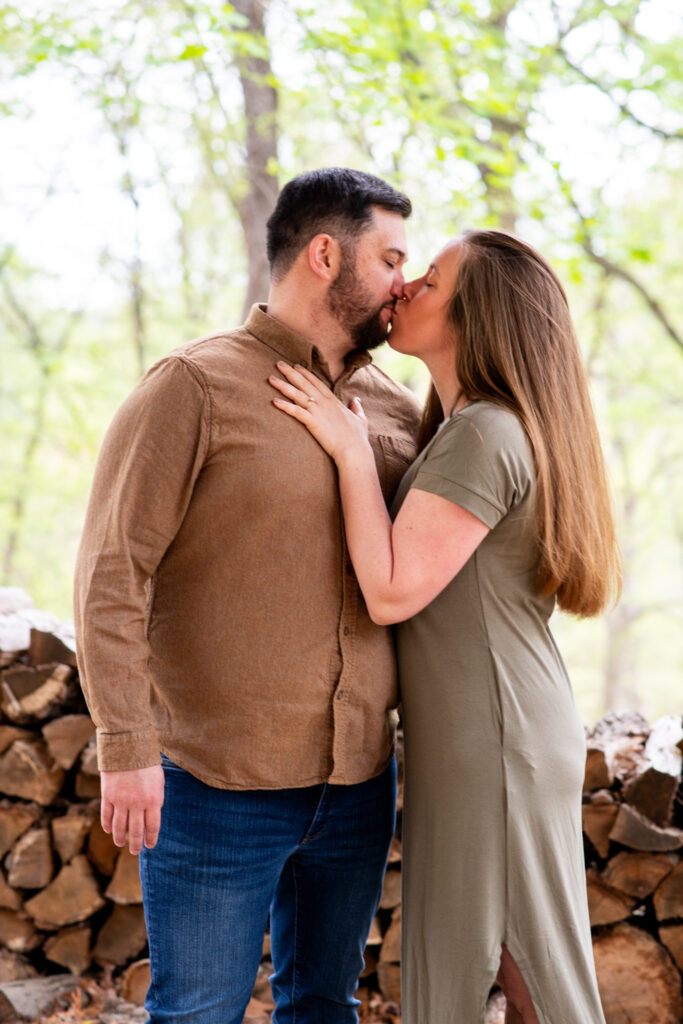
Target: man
220	623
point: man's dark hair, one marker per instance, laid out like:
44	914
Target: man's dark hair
335	200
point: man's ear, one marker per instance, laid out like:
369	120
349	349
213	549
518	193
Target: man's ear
324	257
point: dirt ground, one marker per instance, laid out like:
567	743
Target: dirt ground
99	1003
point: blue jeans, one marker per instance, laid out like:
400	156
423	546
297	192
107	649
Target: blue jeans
313	857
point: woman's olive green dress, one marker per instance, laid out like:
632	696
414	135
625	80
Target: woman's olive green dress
494	756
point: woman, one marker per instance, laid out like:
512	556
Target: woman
504	514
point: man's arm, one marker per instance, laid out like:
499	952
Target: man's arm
145	475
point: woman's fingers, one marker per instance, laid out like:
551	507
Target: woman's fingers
296	411
303	379
291	392
311	378
356	407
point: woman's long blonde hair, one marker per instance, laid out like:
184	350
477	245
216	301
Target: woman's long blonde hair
515	345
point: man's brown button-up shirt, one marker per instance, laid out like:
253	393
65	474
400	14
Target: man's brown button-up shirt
218	618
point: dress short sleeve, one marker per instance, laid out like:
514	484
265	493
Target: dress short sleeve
481	460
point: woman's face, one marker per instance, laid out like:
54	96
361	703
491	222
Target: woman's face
419	326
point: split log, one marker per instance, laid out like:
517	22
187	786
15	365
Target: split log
17	932
668	897
262	990
672	937
256	1013
125	885
87	786
122	936
389	980
14	820
636	831
27	1000
598	821
638	874
30	863
70	898
363	995
652	790
33	693
89	758
375	936
27	771
598	774
69	832
637	979
14	966
46	647
9	899
88	778
391	947
395	853
622	736
391	890
70	948
66	738
625	757
617	724
102	850
369	962
606	905
135	981
10	733
495	1009
652	793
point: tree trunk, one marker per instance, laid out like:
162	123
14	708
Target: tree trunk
260	109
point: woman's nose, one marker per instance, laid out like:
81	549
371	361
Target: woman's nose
409	289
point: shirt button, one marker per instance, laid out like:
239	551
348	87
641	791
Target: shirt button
346	630
341	694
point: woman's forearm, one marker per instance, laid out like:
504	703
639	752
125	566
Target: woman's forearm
401	566
368	529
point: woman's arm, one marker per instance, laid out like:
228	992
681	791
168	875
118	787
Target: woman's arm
400	567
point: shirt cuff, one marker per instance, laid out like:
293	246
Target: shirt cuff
124	751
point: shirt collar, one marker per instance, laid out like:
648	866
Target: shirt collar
294	347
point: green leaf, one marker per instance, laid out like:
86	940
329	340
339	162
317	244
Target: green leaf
193	52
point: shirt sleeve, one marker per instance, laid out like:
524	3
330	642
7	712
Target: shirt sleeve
150	459
481	461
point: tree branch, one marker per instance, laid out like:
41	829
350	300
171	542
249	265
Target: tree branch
615	270
622	107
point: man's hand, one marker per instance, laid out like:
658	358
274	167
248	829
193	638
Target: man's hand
131	803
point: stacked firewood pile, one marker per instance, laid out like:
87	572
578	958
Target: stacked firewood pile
70	901
632	823
68	897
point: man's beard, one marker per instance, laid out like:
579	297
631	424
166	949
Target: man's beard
352	306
